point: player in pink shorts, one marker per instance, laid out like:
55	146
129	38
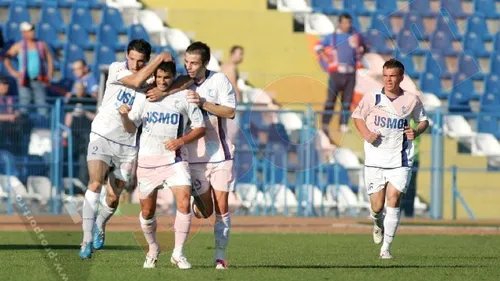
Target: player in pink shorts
383	119
163	159
211	157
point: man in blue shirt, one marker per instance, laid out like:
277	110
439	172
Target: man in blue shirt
340	55
83	76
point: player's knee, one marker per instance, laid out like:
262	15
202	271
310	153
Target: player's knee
147	213
112	200
95	186
183	205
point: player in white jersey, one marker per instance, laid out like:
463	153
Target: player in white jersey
110	145
211	157
383	119
163	159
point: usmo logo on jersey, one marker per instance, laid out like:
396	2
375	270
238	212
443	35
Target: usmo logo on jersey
124	97
390	123
162	117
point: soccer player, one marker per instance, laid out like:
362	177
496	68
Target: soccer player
382	118
110	145
211	157
163	159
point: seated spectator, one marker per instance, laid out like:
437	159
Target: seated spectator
35	69
13	126
83	75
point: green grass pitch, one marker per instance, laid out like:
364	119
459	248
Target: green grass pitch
253	256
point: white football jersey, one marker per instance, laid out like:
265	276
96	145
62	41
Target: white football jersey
389	117
161	121
108	123
216	146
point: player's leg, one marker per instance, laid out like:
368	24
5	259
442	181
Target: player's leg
221	179
375	185
149	225
398	181
203	203
182	225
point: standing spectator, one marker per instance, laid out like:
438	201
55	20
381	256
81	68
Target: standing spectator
230	68
340	54
35	69
408	202
83	75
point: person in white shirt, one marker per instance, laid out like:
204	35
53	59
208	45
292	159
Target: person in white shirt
383	120
110	145
163	159
211	157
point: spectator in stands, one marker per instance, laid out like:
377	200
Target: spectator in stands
12	131
83	75
230	68
35	69
340	55
79	116
408	202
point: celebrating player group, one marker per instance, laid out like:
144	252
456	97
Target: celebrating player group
184	146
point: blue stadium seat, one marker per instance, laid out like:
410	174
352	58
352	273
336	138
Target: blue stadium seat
275	163
324	7
475	44
407	61
39	3
389	6
357	6
414	22
469	66
245	170
382	22
114	18
343	175
492	85
421	7
477	24
51	14
103	55
430	83
487	122
277	134
435	63
80	14
94	4
487	7
442	43
459	102
77	34
462	93
454	7
72	52
108	36
377	42
495	62
48	34
18	12
447	24
11	32
137	31
407	43
496	42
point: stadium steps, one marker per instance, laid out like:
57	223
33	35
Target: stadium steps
272	50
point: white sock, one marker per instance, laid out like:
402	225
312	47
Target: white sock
377	218
222	227
88	214
391	223
105	213
148	227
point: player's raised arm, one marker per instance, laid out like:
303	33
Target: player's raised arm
181	83
359	116
137	79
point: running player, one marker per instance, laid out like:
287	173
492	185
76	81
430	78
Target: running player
211	157
163	159
382	118
110	145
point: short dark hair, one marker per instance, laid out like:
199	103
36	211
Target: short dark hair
84	63
235	48
394	63
201	49
168	67
140	45
344	16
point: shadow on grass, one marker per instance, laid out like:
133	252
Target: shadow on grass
61	247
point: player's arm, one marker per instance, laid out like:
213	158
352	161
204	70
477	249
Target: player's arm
137	79
226	106
181	83
419	116
359	116
197	129
127	122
